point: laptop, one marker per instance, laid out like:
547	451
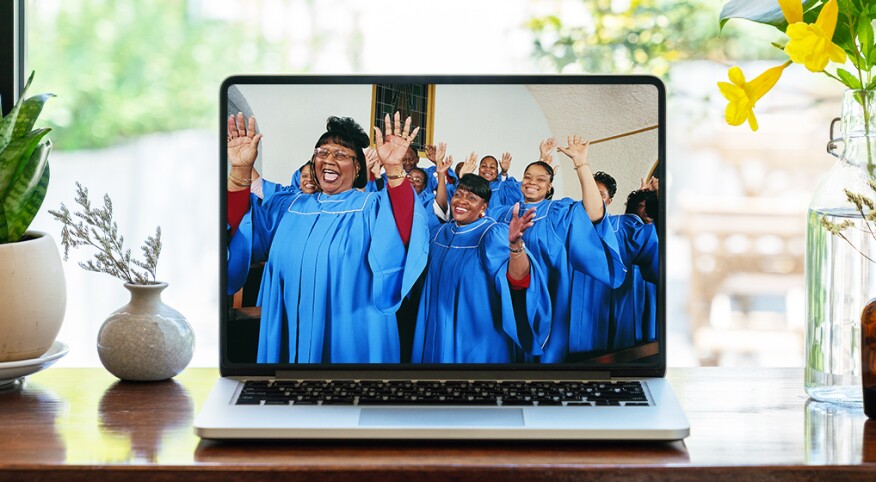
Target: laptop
373	288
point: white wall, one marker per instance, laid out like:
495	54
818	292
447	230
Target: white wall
490	120
486	119
292	117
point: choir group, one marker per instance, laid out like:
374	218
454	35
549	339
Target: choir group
370	259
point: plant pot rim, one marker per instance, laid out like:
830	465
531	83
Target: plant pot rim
30	235
157	284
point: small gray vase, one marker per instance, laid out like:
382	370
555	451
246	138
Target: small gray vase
145	340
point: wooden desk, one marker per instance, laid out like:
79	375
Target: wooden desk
81	424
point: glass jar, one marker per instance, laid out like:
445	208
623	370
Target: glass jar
840	266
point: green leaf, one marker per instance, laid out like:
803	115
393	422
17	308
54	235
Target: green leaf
857	61
8	123
16	156
28	114
872	57
849	79
760	11
27	192
865	38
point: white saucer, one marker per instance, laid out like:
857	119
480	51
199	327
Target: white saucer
12	371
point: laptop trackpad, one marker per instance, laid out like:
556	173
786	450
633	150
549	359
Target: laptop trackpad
440	417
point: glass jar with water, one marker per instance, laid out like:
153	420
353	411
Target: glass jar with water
841	257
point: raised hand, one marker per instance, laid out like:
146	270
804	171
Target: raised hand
545	147
436	153
519	224
443	166
393	143
243	141
549	160
506	161
576	150
371	161
471	163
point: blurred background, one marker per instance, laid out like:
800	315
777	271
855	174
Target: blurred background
137	111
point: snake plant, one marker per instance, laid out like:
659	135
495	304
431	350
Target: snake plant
24	167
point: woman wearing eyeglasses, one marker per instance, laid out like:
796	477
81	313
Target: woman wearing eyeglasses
339	261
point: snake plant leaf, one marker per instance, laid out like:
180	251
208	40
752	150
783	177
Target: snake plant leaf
14	158
27	115
16	154
760	11
27	192
7	124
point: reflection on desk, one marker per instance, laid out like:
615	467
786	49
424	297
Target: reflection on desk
833	433
745	425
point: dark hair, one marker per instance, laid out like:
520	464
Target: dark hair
489	157
346	132
637	197
477	185
425	176
306	164
608	181
651	208
550	170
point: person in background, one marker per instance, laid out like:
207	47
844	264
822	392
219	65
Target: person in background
607	186
468	313
568	237
625	316
505	190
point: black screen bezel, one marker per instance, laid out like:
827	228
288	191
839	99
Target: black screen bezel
655	368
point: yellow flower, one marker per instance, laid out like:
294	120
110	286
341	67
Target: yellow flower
743	95
811	43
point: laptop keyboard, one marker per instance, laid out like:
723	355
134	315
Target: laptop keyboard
417	393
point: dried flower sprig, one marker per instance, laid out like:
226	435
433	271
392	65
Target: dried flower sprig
866	207
96	228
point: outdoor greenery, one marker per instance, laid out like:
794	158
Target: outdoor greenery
126	69
641	36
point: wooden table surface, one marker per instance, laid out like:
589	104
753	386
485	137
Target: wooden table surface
746	424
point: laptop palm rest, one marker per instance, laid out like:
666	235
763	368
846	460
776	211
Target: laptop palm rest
440	417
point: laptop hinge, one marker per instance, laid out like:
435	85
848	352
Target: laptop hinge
567	375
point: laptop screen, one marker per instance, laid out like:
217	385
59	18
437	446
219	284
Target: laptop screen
425	221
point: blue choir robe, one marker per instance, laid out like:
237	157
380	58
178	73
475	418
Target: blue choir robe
432	177
505	192
623	317
425	197
647	330
336	272
373	186
563	240
295	185
466	311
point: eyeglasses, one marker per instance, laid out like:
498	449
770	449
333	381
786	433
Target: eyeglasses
416	180
338	154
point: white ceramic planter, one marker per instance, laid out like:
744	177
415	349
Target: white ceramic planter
33	296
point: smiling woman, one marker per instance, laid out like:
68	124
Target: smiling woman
314	307
338	282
